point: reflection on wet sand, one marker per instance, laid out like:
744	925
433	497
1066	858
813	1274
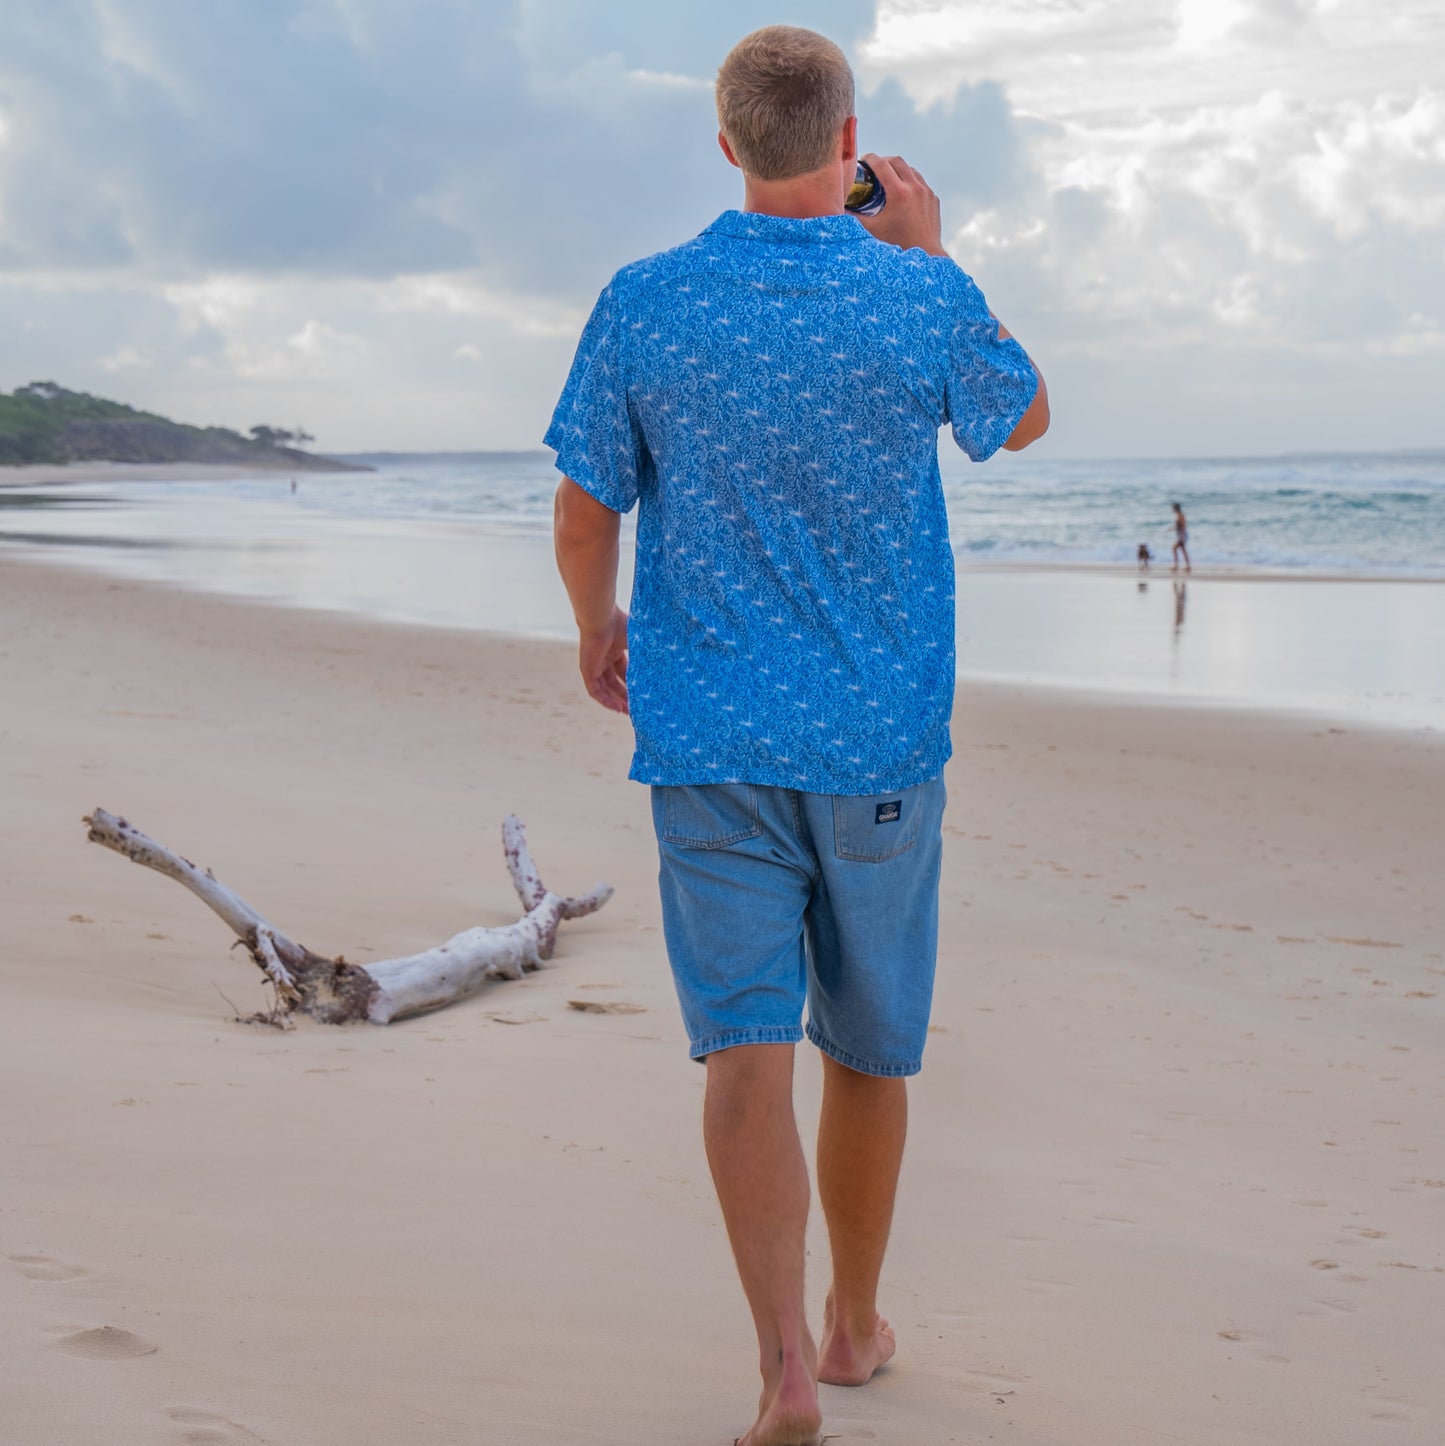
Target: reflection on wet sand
1364	648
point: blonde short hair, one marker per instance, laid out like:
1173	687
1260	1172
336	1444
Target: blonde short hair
783	94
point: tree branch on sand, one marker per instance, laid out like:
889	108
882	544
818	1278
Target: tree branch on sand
334	991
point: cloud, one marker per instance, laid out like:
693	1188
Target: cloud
340	205
363	137
125	358
1215	209
392	218
1072	59
1279	221
363	363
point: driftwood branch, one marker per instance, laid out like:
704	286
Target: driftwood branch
334	991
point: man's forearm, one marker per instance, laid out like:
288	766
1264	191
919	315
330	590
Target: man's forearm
586	539
586	536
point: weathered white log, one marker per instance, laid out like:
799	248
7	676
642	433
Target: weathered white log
334	991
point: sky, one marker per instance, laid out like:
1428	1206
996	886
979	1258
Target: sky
1217	225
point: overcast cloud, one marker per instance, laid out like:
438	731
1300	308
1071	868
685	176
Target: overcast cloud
1219	224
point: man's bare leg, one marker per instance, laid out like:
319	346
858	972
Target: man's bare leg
762	1184
860	1150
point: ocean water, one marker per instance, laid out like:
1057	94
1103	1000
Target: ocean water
1323	587
1364	514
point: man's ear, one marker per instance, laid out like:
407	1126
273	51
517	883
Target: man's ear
727	150
849	151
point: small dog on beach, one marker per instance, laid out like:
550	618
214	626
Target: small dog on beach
1145	557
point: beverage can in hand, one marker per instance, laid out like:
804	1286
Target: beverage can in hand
866	196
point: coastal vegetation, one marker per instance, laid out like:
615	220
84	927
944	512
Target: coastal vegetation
46	423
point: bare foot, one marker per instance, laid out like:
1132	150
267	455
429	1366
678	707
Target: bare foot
787	1429
849	1357
788	1413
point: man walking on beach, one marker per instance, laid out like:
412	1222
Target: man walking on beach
770	393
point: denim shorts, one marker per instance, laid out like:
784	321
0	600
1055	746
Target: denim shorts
773	898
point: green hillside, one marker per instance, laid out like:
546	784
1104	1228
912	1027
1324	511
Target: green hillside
46	423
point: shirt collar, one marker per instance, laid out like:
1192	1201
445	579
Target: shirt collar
836	230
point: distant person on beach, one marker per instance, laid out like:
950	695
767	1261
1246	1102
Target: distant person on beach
1145	557
1181	538
770	394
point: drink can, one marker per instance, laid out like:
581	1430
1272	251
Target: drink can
866	196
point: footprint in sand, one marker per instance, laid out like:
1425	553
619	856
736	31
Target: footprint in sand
42	1267
1043	1285
104	1343
203	1428
992	1377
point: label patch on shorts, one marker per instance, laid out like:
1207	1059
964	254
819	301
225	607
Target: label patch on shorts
889	812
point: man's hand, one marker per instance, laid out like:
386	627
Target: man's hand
602	657
911	214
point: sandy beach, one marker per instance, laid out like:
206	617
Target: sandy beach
1177	1163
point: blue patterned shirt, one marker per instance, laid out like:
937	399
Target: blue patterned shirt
770	394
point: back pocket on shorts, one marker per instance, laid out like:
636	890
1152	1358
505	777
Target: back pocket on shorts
876	827
709	815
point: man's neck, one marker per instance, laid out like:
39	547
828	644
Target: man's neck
799	197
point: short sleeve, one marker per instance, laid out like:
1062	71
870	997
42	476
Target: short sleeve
991	380
596	440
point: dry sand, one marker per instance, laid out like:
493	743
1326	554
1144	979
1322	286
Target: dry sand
1176	1172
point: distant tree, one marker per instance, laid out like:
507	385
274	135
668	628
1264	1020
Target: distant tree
46	422
45	391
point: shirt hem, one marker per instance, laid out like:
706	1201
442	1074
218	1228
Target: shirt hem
849	786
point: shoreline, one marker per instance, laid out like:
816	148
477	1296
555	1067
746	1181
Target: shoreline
1182	1083
58	474
84	473
1219	572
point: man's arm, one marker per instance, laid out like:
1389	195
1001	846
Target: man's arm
913	217
585	534
1034	422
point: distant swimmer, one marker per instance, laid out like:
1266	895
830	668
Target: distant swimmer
1181	537
293	484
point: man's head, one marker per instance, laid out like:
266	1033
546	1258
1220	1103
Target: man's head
783	97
